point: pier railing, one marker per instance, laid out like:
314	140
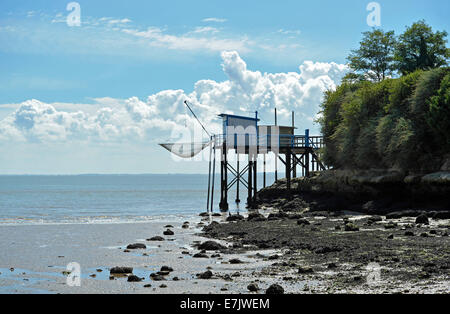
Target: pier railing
270	141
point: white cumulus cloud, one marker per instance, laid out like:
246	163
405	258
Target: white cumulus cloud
163	114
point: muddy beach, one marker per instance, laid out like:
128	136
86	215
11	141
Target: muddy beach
381	245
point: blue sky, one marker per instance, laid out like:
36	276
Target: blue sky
127	49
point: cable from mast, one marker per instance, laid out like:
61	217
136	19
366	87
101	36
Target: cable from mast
195	116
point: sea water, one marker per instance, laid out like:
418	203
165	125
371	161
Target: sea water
41	199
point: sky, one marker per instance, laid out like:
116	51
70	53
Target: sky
99	97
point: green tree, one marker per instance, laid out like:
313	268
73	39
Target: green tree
375	57
439	115
421	48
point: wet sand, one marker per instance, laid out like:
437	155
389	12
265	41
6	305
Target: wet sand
302	258
34	259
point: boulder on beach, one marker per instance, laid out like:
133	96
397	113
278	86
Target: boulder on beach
136	246
211	246
121	270
275	289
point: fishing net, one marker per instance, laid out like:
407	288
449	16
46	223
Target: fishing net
185	150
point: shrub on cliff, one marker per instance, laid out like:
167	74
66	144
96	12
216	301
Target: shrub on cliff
402	123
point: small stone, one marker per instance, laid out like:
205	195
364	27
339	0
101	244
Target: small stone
235	218
424	235
157	238
121	270
163	286
168	226
303	222
255	217
157	277
134	278
175	278
206	275
200	255
147	286
422	219
211	246
235	261
253	287
374	219
168	232
409	233
167	268
351	227
275	289
136	246
305	270
332	265
391	225
390	237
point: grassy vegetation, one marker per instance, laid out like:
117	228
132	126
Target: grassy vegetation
401	123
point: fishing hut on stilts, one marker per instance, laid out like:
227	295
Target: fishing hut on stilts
243	136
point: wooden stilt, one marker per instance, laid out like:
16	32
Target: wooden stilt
288	164
255	182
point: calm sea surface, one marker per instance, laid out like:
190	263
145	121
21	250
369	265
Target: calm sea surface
105	198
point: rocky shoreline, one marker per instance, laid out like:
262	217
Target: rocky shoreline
370	192
339	229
